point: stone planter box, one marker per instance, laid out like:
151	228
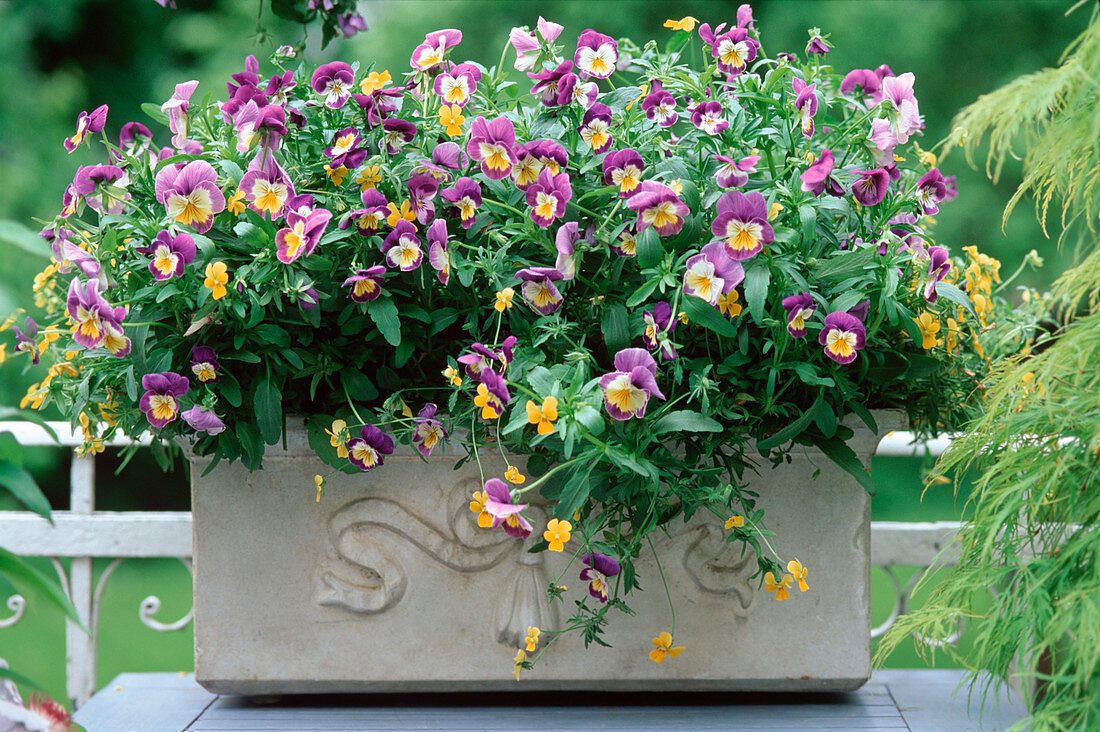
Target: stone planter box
388	585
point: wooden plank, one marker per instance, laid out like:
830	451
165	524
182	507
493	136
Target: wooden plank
147	702
931	700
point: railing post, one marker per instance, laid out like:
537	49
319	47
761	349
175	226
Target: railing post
80	647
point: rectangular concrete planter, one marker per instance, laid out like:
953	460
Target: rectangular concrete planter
388	585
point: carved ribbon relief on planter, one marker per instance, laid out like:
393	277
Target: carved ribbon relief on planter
363	570
716	567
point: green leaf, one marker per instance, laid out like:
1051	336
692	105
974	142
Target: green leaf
757	279
825	419
957	296
358	384
268	404
686	421
642	293
153	110
847	301
839	452
648	248
793	430
616	330
19	572
845	264
229	388
808	374
912	328
621	97
7	673
702	312
574	494
19	236
383	312
21	484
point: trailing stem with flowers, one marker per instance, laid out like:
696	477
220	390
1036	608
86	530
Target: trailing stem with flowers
651	271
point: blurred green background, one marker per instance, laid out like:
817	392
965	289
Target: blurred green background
60	57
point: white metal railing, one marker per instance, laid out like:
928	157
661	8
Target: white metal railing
84	534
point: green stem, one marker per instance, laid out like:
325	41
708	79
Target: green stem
664	582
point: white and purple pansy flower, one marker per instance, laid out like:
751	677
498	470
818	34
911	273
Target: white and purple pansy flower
369	218
528	166
301	235
939	264
402	247
734	173
103	187
538	288
438	257
871	186
366	451
202	419
551	154
266	185
395	133
905	117
87	123
660	106
457	85
465	196
658	206
204	364
931	191
333	82
707	116
598	569
659	325
279	87
547	197
628	388
623	168
450	155
734	51
506	514
564	241
161	392
805	104
596	54
527	45
595	127
492	144
171	254
429	432
712	273
842	335
365	284
176	109
24	339
433	50
799	309
818	179
134	139
96	323
345	149
66	252
549	84
742	223
190	193
422	189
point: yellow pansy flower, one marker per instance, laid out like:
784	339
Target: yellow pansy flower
798	573
929	326
451	374
557	534
477	505
320	482
368	177
336	175
512	475
504	299
338	437
532	638
734	522
728	305
664	647
451	118
543	416
686	23
396	214
375	81
781	588
217	277
235	204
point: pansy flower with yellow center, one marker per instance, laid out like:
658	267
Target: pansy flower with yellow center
513	476
658	206
929	326
333	82
557	534
402	247
477	505
267	186
204	364
627	243
375	81
543	416
627	389
456	86
429	432
532	639
86	123
302	233
366	452
780	588
506	515
799	309
170	254
492	395
548	196
596	54
939	264
190	193
742	224
735	50
450	116
664	648
598	569
491	143
365	284
539	290
433	50
595	128
734	173
842	335
93	319
712	273
686	23
159	400
217	277
798	574
465	196
659	324
623	168
451	374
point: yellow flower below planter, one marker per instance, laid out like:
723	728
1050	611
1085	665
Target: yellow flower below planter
664	648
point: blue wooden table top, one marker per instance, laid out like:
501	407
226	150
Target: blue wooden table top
916	700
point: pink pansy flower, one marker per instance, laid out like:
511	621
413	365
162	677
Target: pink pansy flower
568	235
438	257
171	254
202	419
103	187
333	81
134	139
465	196
432	51
660	106
712	273
931	191
871	187
599	568
627	243
551	154
96	323
659	324
422	189
159	400
538	288
302	233
87	123
402	247
596	54
817	179
528	166
939	265
505	514
527	46
24	339
904	116
176	108
366	452
345	149
395	133
190	193
799	309
734	173
842	336
742	223
734	51
492	144
457	85
628	388
883	140
369	218
595	128
429	432
266	186
707	116
365	284
449	155
548	84
623	168
259	124
867	82
548	196
806	104
658	206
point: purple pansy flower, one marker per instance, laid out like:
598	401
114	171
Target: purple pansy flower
103	187
527	46
202	419
190	193
623	168
465	196
742	223
938	266
817	43
491	144
422	189
707	116
457	85
805	104
904	116
567	236
495	393
67	252
171	254
266	186
278	88
365	284
842	336
302	233
395	133
259	122
506	514
369	218
176	108
430	53
658	206
659	324
595	128
437	251
551	154
88	122
345	149
599	567
159	400
871	187
931	191
549	84
98	324
402	247
660	106
596	54
799	309
866	81
204	364
333	81
134	138
628	388
429	432
734	173
817	178
450	156
528	166
538	288
712	273
366	451
24	339
351	23
734	51
548	196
